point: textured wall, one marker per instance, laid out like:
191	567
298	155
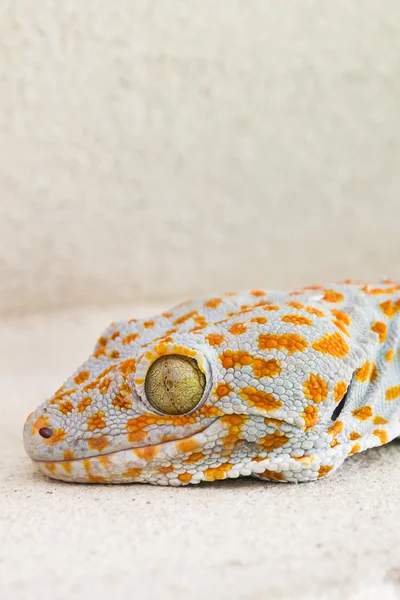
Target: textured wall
153	150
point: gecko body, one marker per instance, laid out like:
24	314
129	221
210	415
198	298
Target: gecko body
282	386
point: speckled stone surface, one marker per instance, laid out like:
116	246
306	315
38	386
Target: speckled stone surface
337	538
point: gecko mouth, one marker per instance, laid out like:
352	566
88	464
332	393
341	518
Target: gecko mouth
139	449
162	462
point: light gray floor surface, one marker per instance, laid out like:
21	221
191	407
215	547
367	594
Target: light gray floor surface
245	539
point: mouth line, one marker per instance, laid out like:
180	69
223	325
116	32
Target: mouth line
72	460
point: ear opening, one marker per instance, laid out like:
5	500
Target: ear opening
338	409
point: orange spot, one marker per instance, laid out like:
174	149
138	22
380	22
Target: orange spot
105	372
104	461
259	320
354	436
363	373
333	344
387	308
270	307
236	420
61	394
122	402
148	324
96	478
310	415
51	467
292	342
59	435
136	436
185	477
332	296
315	388
69	455
213	303
238	328
258	293
127	367
147	452
378	291
171	331
335	443
104	385
40	422
87	465
324	470
340	325
294	304
341	316
132	473
315	311
374	373
96	421
194	458
84	403
336	428
339	391
98	443
389	356
167	315
222	390
99	352
380	328
272	475
297	320
356	448
200	321
266	368
379	421
102	341
382	435
114	355
185	317
90	386
131	337
81	377
363	413
165	470
67	466
393	392
215	339
217	472
186	446
232	359
260	399
274	440
65	407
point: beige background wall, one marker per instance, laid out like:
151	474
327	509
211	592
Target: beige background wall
154	150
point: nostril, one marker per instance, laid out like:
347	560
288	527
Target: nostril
45	432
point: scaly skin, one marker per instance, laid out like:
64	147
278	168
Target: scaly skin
295	383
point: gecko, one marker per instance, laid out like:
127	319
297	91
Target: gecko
279	385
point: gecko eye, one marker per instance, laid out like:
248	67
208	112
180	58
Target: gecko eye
174	384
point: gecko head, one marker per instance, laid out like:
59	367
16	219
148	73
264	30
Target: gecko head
253	395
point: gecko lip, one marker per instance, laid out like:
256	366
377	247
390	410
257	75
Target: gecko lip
113	452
